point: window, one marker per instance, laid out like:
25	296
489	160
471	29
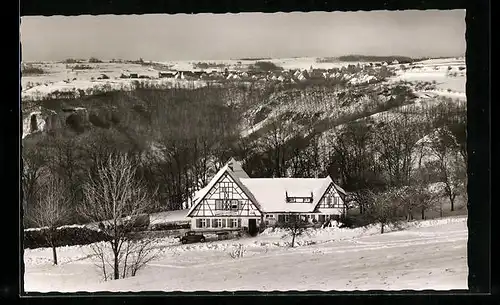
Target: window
218	204
235	205
329	201
226	205
299	199
225	190
232	223
321	218
203	223
281	218
337	202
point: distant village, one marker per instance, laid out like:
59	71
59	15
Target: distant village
279	75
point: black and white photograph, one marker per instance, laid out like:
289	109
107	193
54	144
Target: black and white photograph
300	151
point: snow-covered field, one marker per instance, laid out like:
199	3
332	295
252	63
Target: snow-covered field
448	74
62	78
428	254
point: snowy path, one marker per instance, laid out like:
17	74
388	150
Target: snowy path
430	257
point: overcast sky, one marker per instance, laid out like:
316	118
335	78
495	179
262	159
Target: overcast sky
232	36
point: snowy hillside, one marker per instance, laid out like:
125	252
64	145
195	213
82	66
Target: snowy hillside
428	254
427	80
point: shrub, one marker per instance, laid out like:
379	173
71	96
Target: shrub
170	226
31	70
94	60
81	67
355	221
75	122
265	66
71	61
64	236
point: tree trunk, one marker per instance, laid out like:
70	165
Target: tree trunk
452	202
116	267
409	217
382	228
293	239
54	254
423	214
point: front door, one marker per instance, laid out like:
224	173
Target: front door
252	227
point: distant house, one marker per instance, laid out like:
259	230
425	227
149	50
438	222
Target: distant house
133	75
232	76
317	73
164	74
233	200
304	75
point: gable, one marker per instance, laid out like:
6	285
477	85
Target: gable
330	199
226	197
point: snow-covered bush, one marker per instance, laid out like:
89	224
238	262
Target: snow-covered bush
64	236
237	252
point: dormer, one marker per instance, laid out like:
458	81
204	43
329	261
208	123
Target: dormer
298	199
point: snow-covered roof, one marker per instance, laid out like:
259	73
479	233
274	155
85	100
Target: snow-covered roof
339	189
270	192
237	169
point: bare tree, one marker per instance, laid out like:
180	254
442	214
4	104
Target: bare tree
452	166
419	196
354	159
51	210
112	193
32	172
385	208
296	225
274	141
396	143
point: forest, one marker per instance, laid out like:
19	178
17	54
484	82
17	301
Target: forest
178	138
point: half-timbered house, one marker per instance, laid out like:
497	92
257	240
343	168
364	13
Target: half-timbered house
233	201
